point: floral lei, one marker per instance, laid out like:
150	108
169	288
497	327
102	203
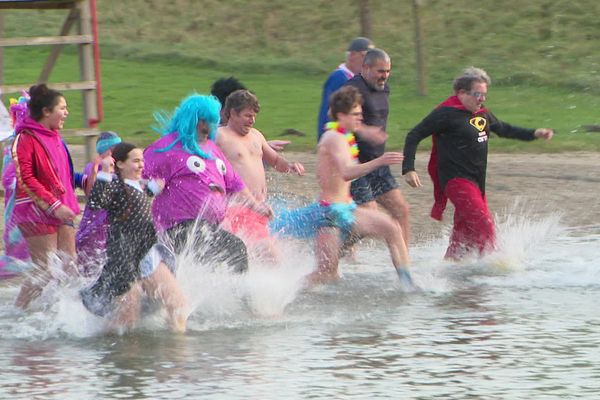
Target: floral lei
349	136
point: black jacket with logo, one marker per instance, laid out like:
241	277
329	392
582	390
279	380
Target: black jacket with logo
460	141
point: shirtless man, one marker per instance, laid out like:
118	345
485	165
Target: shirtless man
223	87
247	149
336	216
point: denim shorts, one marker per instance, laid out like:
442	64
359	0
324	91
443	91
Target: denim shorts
373	185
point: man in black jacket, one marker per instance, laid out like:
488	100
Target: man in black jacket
460	127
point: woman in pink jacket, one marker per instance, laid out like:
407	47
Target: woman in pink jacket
45	204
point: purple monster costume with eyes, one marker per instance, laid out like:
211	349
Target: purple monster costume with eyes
198	181
194	186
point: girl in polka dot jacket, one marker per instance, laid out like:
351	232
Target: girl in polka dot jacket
127	200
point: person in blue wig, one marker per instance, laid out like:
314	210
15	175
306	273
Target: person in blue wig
199	181
335	215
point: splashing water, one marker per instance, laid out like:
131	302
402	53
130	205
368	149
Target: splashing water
512	325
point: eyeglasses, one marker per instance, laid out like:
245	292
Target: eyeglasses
478	95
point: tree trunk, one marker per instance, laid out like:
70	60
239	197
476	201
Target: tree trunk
366	22
420	51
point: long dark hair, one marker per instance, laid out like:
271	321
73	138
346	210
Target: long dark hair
120	153
41	96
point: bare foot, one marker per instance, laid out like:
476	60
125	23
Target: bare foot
178	323
320	278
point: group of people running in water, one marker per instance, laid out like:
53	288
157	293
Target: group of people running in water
200	190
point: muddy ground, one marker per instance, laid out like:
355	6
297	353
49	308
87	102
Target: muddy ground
543	184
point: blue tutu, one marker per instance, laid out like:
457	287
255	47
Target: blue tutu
303	223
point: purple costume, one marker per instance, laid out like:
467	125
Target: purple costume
194	187
93	230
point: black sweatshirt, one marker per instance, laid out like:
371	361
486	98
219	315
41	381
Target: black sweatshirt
461	138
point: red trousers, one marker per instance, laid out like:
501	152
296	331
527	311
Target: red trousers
473	224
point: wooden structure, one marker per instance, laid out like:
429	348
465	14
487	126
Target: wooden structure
82	14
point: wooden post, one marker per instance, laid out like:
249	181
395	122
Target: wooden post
86	64
55	52
420	52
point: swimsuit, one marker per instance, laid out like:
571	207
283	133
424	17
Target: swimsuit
306	221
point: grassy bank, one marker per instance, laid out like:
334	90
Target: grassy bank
541	56
134	90
549	42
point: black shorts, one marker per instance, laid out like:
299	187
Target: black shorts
210	244
373	185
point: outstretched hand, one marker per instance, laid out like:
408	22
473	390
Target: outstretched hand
412	178
264	209
278	145
391	157
64	213
544	133
108	165
160	183
296	168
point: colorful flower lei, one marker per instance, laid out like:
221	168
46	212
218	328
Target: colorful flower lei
349	136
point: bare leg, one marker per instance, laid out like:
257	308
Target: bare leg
127	312
349	246
163	286
66	240
66	248
397	206
372	223
327	249
39	248
264	250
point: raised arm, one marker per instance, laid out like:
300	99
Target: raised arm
277	161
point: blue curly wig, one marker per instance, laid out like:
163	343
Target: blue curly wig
185	119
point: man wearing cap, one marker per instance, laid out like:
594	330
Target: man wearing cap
354	59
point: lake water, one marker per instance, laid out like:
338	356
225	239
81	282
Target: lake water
521	324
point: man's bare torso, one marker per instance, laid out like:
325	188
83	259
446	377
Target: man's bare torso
245	153
334	188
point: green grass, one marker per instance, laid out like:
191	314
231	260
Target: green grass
134	90
541	55
552	42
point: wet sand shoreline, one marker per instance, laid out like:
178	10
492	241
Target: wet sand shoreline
542	184
539	184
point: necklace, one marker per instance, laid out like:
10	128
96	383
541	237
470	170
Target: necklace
349	136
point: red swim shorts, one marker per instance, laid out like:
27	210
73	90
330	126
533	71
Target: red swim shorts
246	223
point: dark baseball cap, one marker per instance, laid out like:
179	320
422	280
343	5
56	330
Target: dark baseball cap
360	44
